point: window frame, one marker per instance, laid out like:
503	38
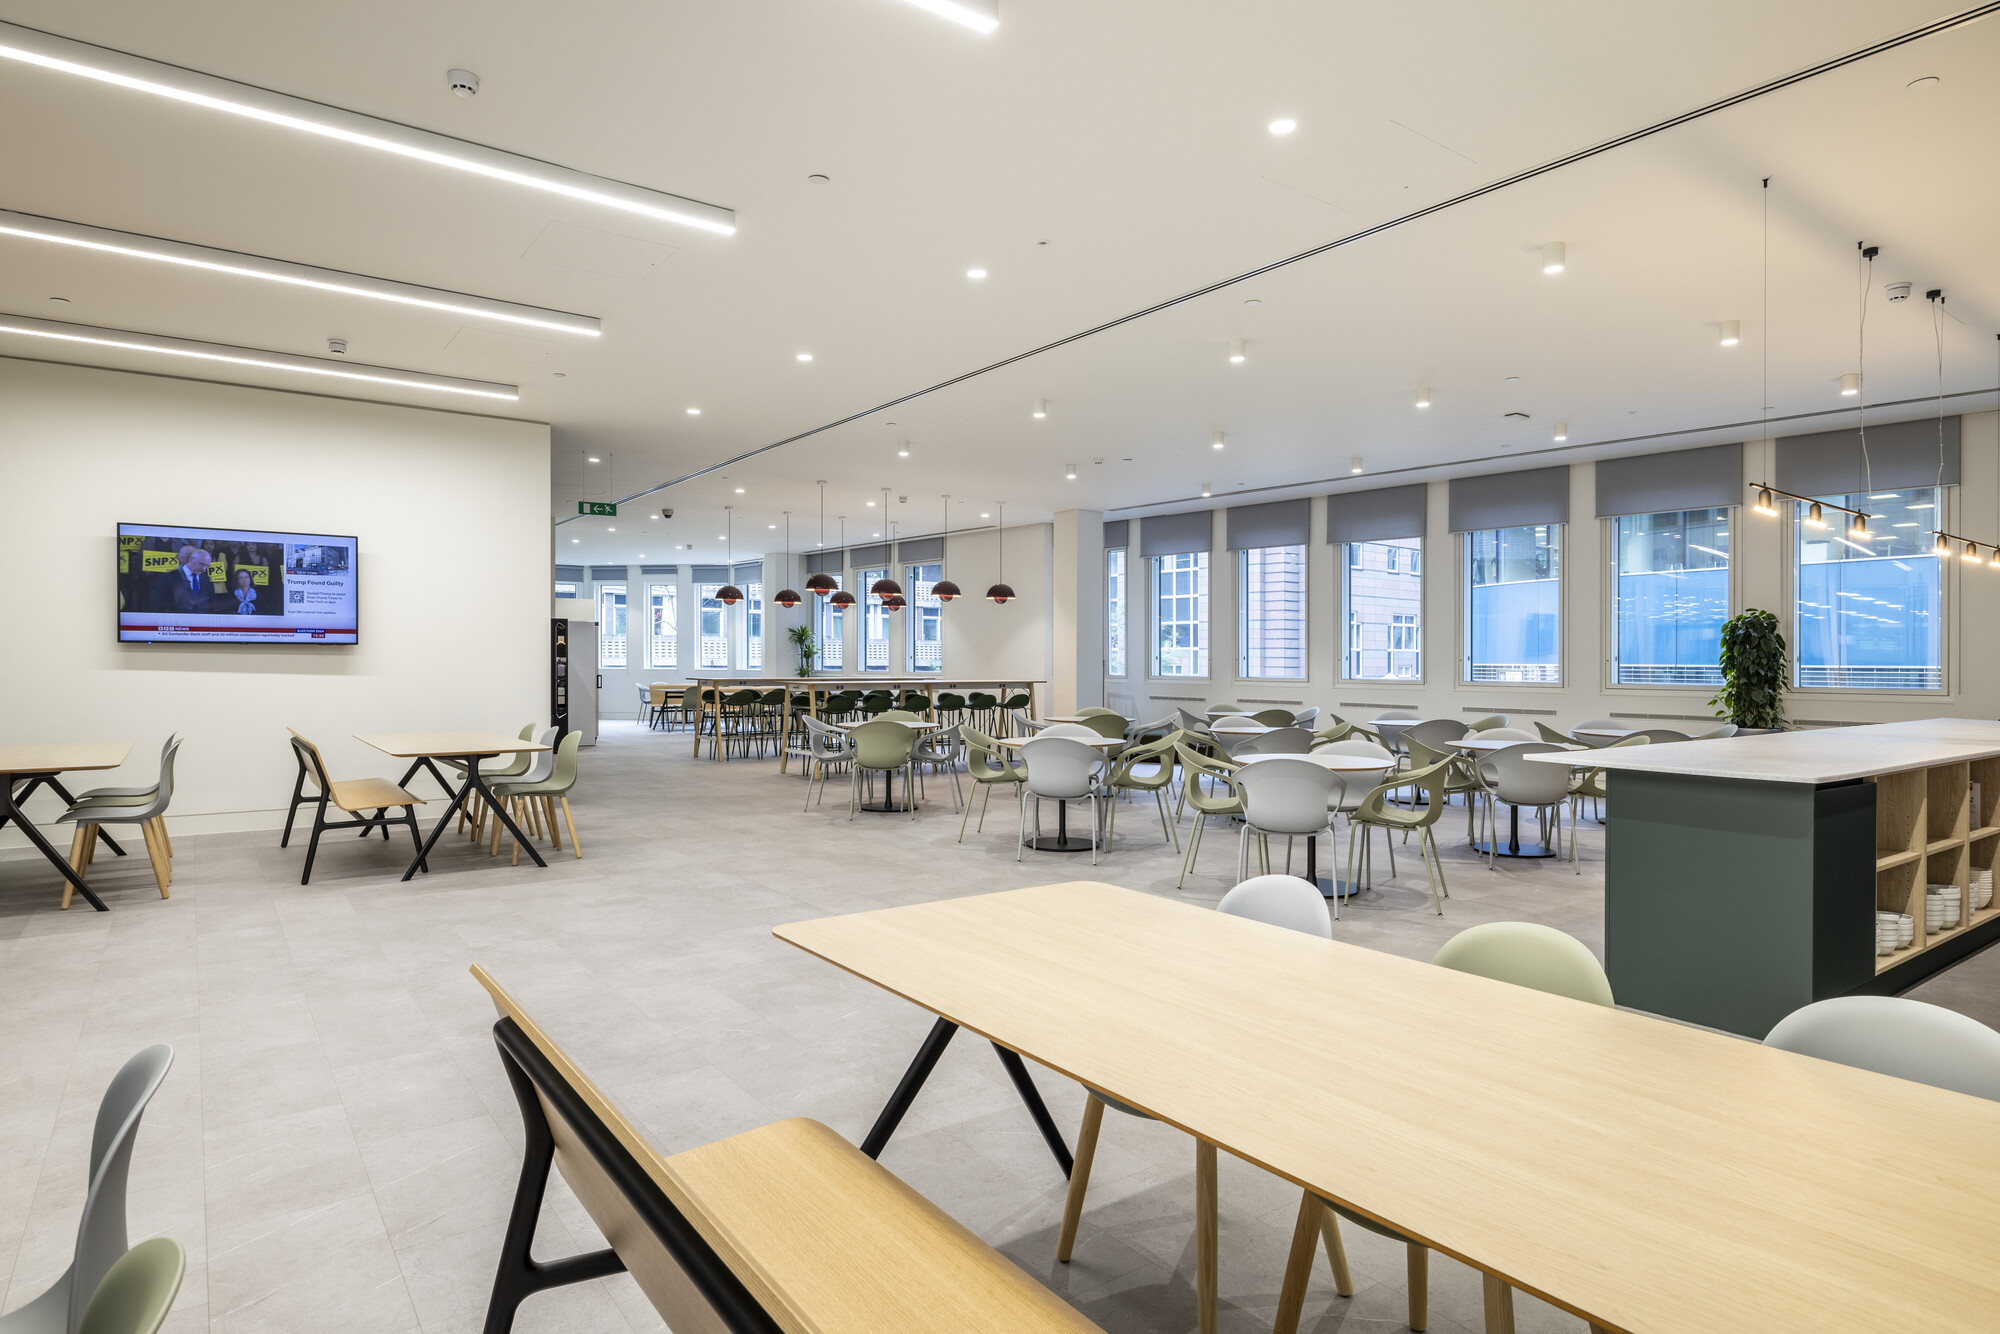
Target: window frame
598	594
1207	571
1947	511
1117	604
1463	584
1609	648
703	595
922	607
739	616
822	610
672	637
1345	615
1242	565
872	610
571	595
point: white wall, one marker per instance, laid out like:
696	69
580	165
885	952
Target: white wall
451	513
1762	558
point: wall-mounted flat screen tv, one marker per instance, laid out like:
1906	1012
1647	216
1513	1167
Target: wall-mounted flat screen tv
179	585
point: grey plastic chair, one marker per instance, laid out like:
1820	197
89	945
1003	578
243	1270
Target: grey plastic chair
1277	741
1060	768
1511	780
824	746
1892	1036
940	750
147	811
1285	796
1306	718
1716	734
137	1293
100	1235
1192	722
1661	736
1276	900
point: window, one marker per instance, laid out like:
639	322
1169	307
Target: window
827	625
875	623
611	625
1513	604
1271	612
1180	614
1670	598
1114	611
714	627
925	617
1382	590
565	590
1868	611
753	626
661	604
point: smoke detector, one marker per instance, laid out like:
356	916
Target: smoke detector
1898	291
463	82
337	346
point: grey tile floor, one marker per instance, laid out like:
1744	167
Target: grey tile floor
336	1145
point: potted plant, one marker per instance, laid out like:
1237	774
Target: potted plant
802	640
1753	672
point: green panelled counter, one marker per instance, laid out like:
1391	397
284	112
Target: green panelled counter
1743	875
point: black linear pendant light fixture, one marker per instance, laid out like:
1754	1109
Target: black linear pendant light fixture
822	584
1000	594
885	586
788	597
944	590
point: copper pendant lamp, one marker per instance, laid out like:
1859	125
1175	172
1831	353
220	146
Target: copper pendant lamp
885	586
787	597
822	584
1000	594
944	590
729	594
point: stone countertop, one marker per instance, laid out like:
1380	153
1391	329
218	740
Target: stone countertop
1826	755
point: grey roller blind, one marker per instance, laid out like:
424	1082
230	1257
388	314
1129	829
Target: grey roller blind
659	569
1510	499
1177	534
749	572
1682	479
603	572
920	550
1389	514
1281	523
869	558
1900	454
825	562
570	574
709	574
1117	532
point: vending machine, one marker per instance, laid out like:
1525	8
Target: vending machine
573	678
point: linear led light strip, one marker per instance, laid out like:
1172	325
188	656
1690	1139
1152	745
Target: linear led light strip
296	113
250	356
109	242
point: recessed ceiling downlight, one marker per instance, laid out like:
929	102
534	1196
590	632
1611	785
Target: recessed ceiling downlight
982	16
1283	125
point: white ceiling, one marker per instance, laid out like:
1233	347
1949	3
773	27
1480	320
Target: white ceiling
1128	136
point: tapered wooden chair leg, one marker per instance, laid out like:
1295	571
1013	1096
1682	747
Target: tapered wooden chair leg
154	854
1499	1306
570	820
1298	1265
1419	1263
1079	1175
1207	1244
167	842
1336	1251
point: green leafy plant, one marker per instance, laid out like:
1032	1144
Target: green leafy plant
802	640
1753	671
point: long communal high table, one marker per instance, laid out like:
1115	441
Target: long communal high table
1651	1177
930	685
39	765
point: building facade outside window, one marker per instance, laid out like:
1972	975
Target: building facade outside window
925	616
1382	594
611	625
1513	604
1670	596
1180	614
565	590
1114	611
753	627
828	624
1868	612
714	629
1271	612
663	611
874	623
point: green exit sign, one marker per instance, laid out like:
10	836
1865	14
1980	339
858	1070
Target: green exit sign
596	507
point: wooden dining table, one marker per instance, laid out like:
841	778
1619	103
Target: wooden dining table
424	749
39	763
1650	1177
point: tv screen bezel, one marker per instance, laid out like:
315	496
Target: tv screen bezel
221	531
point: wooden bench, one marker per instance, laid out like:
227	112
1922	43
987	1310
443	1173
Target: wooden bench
784	1228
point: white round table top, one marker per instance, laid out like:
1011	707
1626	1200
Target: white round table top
1476	742
1601	731
1244	726
1340	764
1086	740
914	724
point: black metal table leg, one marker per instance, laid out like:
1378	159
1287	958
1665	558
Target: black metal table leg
1024	1084
10	811
473	783
906	1090
56	787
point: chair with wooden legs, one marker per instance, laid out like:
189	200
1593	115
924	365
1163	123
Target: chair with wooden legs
352	795
472	810
538	799
1281	902
129	796
149	812
1526	954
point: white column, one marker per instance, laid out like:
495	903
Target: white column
1077	609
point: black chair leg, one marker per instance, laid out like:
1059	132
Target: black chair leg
312	848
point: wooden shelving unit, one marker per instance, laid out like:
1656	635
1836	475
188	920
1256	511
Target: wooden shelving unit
1926	833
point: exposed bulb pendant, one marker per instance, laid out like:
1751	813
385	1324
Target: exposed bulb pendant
729	594
884	586
822	584
1000	594
1971	552
1766	503
788	597
944	590
1814	517
1857	527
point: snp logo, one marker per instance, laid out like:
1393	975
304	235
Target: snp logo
295	595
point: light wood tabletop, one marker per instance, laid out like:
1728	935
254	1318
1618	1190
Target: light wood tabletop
437	745
54	757
914	724
1651	1177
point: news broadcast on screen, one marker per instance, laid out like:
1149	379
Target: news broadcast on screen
235	586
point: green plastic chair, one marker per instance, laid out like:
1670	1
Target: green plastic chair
1193	768
1488	723
1461	779
138	1291
1552	736
989	768
547	793
1274	717
898	716
1376	812
949	707
1125	777
1104	722
881	746
1326	736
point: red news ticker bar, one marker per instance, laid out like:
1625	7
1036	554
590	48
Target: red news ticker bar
246	630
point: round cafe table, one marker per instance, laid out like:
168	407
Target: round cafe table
1343	765
1475	745
1062	842
888	803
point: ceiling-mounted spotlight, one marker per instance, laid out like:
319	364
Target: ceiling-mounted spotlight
1766	503
1041	408
981	16
1814	517
1215	441
1238	349
1562	431
1971	552
1069	471
1995	558
1356	465
1731	333
1941	546
1850	384
1423	395
903	449
1204	490
1555	257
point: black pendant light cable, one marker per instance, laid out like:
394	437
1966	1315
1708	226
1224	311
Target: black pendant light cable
729	594
787	597
822	583
944	590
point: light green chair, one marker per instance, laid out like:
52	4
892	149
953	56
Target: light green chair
543	797
1488	723
1376	812
138	1291
898	716
1527	955
1125	777
1326	736
1550	734
1104	722
989	768
1461	779
472	808
1194	768
1275	717
1590	786
882	746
